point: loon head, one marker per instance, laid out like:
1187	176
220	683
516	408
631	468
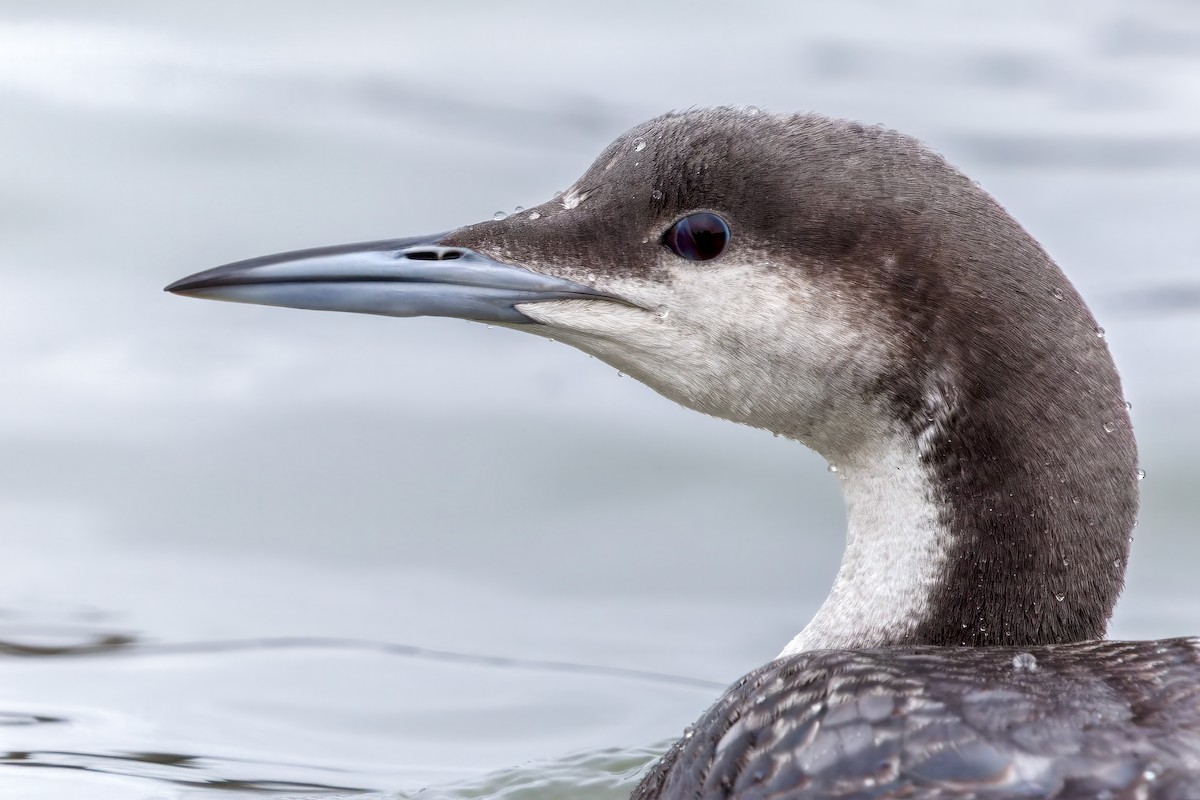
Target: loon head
837	284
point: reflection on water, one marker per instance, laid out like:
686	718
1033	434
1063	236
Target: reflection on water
601	770
217	519
170	768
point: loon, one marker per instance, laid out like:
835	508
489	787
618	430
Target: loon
843	286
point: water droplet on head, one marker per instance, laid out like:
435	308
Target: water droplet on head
1109	427
534	215
1024	662
1060	596
1058	294
656	194
1141	473
640	146
499	215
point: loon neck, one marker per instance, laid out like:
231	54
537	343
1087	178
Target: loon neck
987	521
897	543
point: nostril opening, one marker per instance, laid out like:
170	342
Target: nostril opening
433	254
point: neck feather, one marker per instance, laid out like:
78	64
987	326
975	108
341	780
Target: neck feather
897	543
986	522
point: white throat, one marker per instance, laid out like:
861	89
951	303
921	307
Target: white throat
896	547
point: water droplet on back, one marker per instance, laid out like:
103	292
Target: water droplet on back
1024	662
534	215
1060	596
1058	294
656	194
499	215
1109	427
640	146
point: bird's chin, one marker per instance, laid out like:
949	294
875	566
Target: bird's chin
577	320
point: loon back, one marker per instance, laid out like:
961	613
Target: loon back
843	286
1071	722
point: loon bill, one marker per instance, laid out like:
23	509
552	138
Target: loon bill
845	287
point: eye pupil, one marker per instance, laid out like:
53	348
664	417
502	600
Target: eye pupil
698	237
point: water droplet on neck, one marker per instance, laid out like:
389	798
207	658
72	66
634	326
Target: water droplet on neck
1109	427
656	194
1057	294
640	146
1024	662
1141	473
1060	596
499	215
832	468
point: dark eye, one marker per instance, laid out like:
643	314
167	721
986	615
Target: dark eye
698	237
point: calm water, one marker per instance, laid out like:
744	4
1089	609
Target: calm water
257	550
